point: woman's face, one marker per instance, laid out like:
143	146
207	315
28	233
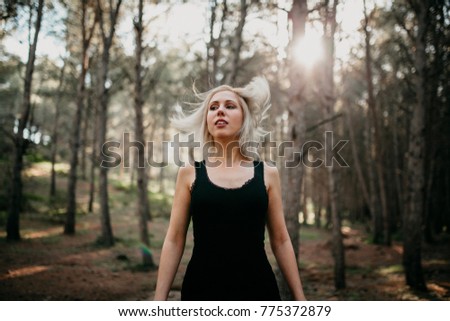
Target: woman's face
225	116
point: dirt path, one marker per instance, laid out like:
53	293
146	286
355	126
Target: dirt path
47	265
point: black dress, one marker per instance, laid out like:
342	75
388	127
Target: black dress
228	261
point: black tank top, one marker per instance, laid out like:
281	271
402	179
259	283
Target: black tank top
229	260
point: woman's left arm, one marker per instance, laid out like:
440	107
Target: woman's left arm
280	241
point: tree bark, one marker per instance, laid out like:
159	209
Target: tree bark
143	206
379	150
412	222
86	36
54	146
107	237
293	171
13	221
328	102
358	167
377	228
93	156
231	77
84	138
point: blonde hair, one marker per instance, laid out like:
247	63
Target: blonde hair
254	98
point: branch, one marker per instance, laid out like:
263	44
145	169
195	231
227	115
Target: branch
323	122
318	7
100	19
91	30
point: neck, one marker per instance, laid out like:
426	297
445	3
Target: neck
228	152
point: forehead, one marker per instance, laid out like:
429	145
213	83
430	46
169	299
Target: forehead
224	96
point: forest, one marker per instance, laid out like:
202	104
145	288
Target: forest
358	129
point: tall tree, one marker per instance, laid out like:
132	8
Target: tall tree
13	225
107	237
328	100
293	171
415	165
54	146
93	156
86	37
237	44
379	150
143	206
214	45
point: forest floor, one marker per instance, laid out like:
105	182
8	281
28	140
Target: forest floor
47	265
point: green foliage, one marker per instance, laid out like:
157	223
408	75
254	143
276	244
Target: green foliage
392	269
3	217
5	183
36	156
160	204
310	234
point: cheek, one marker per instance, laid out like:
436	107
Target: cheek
240	117
208	116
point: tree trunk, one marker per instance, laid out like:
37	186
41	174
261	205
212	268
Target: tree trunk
93	157
231	77
359	173
84	139
54	146
293	171
13	221
143	206
69	227
304	197
377	229
397	169
328	102
379	157
216	44
162	169
412	223
210	46
107	237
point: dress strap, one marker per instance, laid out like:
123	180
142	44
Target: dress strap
259	170
197	166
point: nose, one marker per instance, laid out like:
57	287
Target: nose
221	110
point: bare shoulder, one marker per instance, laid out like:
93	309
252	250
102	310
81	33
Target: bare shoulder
271	175
186	174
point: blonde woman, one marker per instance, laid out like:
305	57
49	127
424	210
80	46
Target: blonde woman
231	197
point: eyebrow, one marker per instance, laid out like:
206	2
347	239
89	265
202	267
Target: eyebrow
226	101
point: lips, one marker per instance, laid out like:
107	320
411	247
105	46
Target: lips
221	122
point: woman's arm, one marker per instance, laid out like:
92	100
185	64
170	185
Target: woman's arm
280	241
173	246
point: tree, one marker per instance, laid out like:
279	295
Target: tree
293	171
86	37
107	36
379	151
328	100
12	226
143	206
237	44
412	222
214	45
54	147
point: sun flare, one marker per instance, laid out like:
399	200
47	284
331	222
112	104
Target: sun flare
309	50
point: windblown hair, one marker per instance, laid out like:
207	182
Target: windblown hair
254	99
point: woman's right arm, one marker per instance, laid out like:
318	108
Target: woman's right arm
173	246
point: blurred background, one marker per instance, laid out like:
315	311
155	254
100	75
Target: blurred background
366	80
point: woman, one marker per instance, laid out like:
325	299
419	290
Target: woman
230	198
